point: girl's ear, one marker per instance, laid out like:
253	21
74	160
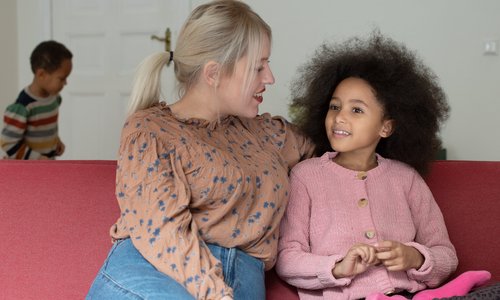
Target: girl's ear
211	73
387	128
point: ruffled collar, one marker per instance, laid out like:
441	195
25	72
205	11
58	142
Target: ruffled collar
200	123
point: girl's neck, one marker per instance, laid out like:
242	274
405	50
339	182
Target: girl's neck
356	161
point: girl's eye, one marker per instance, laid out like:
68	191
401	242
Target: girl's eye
357	110
334	107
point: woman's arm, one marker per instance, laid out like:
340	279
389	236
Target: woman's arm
154	199
285	137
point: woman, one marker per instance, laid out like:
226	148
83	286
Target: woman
202	183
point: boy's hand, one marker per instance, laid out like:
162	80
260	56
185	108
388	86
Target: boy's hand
396	256
60	148
357	260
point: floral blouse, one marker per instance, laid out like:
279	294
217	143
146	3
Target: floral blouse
181	183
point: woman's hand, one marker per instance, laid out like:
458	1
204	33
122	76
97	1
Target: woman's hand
357	260
396	256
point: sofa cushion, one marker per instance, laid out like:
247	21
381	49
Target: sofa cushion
55	218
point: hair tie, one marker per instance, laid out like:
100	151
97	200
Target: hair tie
171	56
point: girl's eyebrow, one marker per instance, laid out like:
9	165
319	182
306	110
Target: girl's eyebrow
355	101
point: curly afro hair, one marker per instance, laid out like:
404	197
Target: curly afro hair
408	91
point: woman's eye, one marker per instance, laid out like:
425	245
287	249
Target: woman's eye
261	67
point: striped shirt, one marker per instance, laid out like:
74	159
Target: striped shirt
30	127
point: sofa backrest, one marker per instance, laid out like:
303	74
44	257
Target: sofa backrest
55	217
468	193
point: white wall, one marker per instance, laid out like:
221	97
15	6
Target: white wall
448	34
31	31
8	59
23	24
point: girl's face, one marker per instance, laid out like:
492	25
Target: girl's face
233	98
52	83
355	120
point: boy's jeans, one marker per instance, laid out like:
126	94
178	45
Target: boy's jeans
127	275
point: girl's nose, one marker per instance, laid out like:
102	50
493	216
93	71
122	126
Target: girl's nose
340	117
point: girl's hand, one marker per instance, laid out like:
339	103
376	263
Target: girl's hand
357	260
396	256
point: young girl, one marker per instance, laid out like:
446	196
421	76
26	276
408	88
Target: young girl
361	222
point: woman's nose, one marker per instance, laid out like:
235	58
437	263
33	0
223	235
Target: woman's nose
269	77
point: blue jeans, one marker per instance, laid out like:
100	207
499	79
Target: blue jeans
127	275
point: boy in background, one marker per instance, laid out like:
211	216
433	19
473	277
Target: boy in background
30	123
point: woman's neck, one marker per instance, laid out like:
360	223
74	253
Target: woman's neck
195	105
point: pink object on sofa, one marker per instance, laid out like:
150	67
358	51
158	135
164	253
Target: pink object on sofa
55	217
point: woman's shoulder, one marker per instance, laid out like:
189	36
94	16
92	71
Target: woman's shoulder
152	124
152	119
266	122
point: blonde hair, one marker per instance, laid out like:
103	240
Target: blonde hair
223	31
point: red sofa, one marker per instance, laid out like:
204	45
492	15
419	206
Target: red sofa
55	216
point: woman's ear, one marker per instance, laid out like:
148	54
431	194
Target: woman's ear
211	73
387	128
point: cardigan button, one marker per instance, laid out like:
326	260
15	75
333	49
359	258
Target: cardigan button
369	234
362	202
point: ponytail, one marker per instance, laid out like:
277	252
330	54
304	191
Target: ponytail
146	88
223	31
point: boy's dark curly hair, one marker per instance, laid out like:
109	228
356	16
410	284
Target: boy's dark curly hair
49	55
408	91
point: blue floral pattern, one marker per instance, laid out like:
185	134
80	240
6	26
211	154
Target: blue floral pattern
183	183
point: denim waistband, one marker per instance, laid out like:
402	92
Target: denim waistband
233	259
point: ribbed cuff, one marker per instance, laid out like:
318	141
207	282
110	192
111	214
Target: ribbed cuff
426	267
325	275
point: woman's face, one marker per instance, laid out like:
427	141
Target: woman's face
234	99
